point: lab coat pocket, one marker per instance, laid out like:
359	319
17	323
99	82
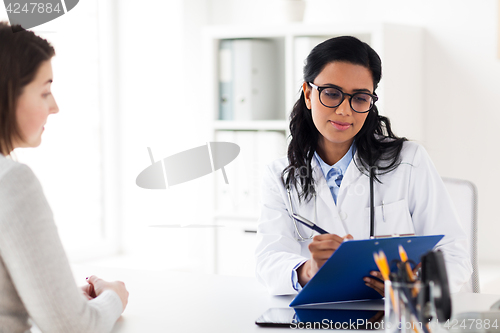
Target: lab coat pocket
392	218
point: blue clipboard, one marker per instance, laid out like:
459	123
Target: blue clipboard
341	277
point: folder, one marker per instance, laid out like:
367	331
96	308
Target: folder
254	80
245	178
340	279
225	198
226	80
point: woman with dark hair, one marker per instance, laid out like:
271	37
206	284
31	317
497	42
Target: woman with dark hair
36	282
338	139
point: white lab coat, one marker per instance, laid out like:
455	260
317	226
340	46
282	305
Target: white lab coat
411	199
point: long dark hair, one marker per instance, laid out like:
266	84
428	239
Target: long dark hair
21	54
376	144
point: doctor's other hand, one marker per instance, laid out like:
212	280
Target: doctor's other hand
375	281
97	286
322	247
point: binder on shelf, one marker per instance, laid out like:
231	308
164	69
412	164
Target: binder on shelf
242	79
246	196
247	80
225	80
340	279
224	193
257	149
271	145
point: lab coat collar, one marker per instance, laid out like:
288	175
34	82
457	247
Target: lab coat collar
351	176
321	187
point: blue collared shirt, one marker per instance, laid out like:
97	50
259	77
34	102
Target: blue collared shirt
333	175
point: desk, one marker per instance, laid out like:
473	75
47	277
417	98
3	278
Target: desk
183	302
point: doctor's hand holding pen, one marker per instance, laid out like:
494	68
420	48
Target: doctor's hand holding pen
322	247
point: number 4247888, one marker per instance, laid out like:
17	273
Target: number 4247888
33	7
471	324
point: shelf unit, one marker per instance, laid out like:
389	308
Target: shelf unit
400	98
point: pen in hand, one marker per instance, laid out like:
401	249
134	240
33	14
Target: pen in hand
309	224
322	247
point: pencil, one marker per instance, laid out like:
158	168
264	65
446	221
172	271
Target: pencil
404	259
409	271
383	267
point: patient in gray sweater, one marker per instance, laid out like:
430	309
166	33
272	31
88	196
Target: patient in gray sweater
36	282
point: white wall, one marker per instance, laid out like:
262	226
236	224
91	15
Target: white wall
160	107
159	64
461	72
461	82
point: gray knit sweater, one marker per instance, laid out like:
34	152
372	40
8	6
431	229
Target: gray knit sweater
35	277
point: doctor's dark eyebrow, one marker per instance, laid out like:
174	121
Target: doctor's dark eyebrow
341	89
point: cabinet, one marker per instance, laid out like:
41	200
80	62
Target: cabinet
262	136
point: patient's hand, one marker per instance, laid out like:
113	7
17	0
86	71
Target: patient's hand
97	286
87	290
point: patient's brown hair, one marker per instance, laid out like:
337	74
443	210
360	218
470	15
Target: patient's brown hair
21	54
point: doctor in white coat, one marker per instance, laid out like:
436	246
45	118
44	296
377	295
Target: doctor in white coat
337	135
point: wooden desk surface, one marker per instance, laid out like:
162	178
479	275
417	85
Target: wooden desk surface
183	302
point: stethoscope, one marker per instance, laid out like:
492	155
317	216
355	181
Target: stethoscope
312	225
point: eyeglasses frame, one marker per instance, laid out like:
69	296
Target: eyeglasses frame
319	89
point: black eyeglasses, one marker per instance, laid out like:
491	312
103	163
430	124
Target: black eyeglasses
331	97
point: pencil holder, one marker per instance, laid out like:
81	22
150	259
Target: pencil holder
403	312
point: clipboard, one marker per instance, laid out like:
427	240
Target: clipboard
340	279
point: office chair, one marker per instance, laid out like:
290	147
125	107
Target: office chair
464	195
